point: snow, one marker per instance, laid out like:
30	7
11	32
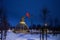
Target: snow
22	36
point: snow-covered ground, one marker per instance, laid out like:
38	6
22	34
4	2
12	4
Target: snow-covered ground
22	36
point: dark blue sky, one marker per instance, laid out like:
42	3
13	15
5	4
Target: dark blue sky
17	8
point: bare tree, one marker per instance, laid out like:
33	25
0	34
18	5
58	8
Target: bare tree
56	22
3	22
51	22
45	12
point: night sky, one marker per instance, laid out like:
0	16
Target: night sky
17	8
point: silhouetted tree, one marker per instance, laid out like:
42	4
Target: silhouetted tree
45	11
33	26
56	22
51	22
38	27
4	25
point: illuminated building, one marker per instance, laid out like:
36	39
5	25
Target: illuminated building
22	26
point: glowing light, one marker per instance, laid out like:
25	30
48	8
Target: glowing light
22	22
46	24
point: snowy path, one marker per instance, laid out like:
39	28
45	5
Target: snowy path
22	36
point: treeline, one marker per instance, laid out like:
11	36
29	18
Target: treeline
37	27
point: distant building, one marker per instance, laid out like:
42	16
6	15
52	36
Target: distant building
21	27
